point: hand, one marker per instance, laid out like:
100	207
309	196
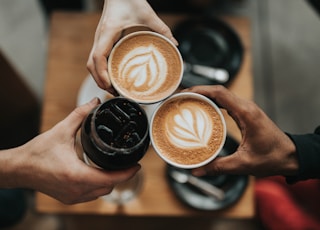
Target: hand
49	164
264	149
118	15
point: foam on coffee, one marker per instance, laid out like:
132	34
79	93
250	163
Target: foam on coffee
145	67
187	130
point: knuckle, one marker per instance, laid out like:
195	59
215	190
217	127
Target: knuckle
219	88
95	56
218	91
80	111
164	29
90	65
250	111
214	169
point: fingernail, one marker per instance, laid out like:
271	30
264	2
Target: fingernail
174	41
94	101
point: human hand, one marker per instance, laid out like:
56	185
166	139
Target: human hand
264	150
49	164
118	15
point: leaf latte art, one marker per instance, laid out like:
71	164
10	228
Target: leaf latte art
143	69
190	127
187	130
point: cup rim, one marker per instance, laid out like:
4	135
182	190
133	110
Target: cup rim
213	156
120	91
107	146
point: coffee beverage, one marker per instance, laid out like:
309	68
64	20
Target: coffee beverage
115	135
188	130
145	66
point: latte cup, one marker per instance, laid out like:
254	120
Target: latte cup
187	130
145	66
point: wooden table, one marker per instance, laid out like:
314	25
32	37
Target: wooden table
71	37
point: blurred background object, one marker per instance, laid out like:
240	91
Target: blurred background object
315	4
70	5
284	36
19	108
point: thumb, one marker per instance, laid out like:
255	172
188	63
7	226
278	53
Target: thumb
73	121
220	165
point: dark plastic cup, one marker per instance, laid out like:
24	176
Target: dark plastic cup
115	135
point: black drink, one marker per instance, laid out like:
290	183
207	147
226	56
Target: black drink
115	135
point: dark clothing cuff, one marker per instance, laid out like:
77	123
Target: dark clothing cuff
308	153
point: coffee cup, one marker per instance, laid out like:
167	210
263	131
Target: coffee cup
187	130
145	67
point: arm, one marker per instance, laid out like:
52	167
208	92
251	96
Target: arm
118	15
49	163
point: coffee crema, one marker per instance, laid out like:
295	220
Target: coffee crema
187	131
145	67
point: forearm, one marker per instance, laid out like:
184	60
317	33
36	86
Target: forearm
9	167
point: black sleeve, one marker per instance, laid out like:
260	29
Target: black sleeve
308	152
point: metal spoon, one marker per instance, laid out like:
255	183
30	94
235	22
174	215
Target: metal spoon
204	186
211	73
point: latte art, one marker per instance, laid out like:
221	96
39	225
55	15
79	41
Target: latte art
187	130
190	128
143	69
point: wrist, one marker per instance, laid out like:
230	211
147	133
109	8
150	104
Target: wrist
10	166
